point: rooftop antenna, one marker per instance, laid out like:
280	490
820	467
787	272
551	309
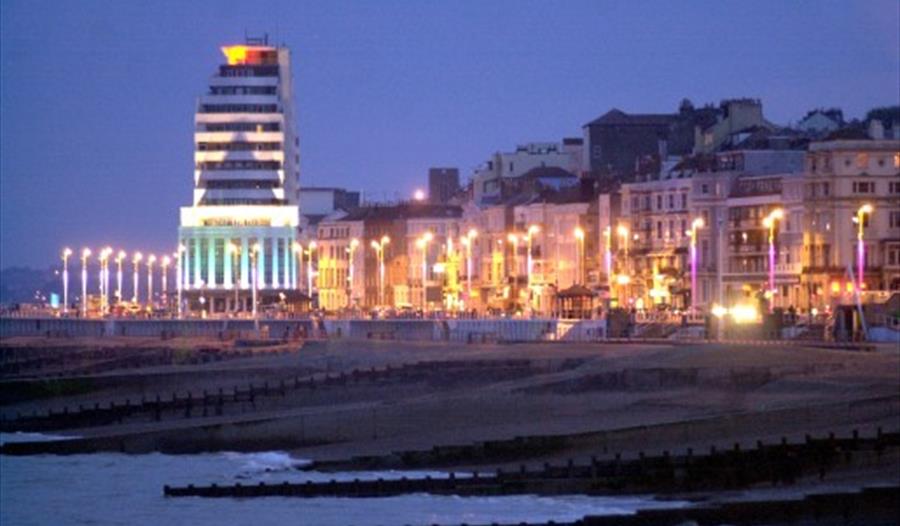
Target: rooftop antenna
256	41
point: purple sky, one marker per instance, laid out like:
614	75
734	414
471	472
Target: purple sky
97	98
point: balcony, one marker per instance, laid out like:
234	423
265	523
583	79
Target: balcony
788	268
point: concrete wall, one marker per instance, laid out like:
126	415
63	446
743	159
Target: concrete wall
73	328
500	330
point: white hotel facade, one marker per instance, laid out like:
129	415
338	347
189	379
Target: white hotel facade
246	179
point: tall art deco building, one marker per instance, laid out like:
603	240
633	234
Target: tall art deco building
246	177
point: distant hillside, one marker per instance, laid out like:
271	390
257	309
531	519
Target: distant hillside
19	284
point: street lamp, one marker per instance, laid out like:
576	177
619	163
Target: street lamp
178	277
85	254
379	247
309	268
861	246
354	243
607	256
150	261
254	252
579	253
165	279
104	278
422	243
769	222
298	252
136	260
119	258
695	224
235	251
469	241
65	276
533	230
624	233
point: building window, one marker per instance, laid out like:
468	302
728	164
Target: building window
671	201
861	187
894	218
659	202
704	188
684	201
894	188
659	230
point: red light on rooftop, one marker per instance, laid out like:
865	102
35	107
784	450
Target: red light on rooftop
235	54
242	54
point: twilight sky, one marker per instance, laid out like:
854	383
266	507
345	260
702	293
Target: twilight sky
97	98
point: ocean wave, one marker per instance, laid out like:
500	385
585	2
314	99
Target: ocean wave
266	462
20	436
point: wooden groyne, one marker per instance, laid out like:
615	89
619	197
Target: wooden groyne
714	469
876	506
188	404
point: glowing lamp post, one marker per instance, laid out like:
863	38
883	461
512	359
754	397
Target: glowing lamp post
65	277
607	256
235	252
469	241
151	260
309	267
136	260
298	252
697	223
164	264
85	254
120	257
179	257
104	278
379	247
769	222
623	233
254	252
861	246
354	243
422	243
533	230
514	244
579	254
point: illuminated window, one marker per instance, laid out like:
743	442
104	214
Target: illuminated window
894	218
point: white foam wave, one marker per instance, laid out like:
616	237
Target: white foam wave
19	436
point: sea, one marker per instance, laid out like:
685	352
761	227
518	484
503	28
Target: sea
113	489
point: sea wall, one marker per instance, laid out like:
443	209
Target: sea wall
73	327
466	331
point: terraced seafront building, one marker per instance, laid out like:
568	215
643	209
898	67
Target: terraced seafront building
246	179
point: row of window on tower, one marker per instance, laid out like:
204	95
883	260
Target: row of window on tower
240	127
238	146
243	90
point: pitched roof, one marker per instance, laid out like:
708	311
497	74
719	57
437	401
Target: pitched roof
403	211
616	116
543	172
